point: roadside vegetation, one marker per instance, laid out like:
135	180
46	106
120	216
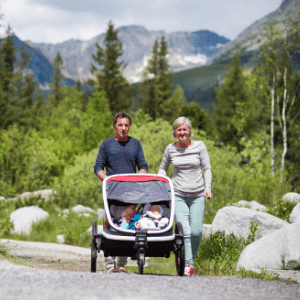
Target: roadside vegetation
252	137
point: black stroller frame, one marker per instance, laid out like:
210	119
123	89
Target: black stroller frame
128	189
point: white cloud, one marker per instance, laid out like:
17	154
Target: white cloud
58	20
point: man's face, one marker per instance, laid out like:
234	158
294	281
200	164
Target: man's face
122	128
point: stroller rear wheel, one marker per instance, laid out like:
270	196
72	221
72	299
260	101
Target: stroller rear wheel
141	260
94	248
179	249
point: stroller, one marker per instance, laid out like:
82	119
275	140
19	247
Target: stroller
120	191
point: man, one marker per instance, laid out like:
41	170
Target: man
120	154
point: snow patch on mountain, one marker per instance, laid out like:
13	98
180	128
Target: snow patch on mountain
176	61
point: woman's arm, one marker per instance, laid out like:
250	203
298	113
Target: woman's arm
166	160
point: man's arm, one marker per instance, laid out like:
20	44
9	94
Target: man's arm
101	174
141	162
101	162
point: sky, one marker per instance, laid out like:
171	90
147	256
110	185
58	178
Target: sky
55	21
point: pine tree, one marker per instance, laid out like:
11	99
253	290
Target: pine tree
157	86
57	78
233	107
165	78
198	116
7	60
108	73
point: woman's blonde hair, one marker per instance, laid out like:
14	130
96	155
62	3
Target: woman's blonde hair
180	121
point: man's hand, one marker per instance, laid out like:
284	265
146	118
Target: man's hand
142	171
102	175
208	194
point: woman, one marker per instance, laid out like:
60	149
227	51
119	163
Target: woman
188	157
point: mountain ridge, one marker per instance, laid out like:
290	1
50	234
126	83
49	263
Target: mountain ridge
186	49
252	38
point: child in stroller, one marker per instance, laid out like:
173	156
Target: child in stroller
153	218
128	218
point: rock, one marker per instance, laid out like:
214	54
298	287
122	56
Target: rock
274	251
100	229
24	217
237	220
251	204
100	213
2	198
295	214
291	197
60	238
45	194
206	230
80	209
87	215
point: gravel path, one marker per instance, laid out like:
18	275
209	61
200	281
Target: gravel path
48	284
57	282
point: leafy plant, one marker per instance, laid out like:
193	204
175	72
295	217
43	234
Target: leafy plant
218	254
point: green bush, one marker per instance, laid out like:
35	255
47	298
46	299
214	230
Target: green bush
219	254
79	184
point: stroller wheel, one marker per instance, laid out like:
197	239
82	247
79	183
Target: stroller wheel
179	249
141	260
93	256
94	248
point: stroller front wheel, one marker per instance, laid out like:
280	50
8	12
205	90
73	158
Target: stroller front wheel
141	260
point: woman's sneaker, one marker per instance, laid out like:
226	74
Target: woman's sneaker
189	271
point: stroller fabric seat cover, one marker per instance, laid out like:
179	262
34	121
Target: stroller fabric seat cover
139	192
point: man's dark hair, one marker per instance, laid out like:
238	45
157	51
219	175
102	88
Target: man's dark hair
121	115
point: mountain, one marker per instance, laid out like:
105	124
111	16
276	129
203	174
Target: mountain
198	83
186	50
39	64
252	38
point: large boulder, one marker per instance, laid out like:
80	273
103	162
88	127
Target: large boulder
45	194
295	214
238	220
275	251
291	197
83	210
251	204
24	217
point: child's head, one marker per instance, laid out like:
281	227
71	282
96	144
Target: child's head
128	212
156	209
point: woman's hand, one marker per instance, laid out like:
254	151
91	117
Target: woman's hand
208	194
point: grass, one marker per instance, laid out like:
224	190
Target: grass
4	255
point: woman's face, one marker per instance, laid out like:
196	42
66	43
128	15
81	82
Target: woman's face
182	132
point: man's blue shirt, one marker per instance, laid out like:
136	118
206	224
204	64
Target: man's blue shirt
120	157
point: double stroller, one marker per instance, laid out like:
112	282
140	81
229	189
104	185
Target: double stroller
120	191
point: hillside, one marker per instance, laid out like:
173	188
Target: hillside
198	83
251	39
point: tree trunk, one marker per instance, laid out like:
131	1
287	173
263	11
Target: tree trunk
284	131
272	125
